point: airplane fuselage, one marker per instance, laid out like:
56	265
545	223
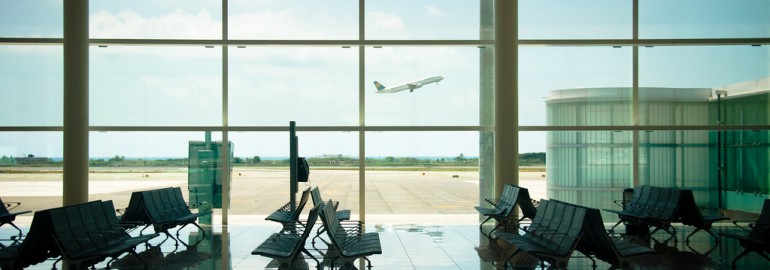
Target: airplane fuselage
411	86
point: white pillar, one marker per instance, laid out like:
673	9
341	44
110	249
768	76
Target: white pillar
506	91
75	183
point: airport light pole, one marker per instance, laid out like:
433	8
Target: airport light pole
720	159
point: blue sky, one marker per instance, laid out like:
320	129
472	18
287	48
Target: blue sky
180	86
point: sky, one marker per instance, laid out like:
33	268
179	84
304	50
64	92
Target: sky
318	86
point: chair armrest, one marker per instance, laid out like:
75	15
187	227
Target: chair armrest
11	205
751	225
621	203
489	201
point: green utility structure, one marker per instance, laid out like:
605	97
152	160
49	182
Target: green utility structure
204	175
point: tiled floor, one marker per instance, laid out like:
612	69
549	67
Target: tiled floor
410	246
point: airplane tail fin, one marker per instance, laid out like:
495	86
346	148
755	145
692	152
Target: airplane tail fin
379	86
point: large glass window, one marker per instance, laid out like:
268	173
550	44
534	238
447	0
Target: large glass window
123	162
155	86
270	86
405	169
422	86
575	86
31	163
149	19
678	85
422	20
589	168
260	180
295	19
704	19
31	18
560	19
31	85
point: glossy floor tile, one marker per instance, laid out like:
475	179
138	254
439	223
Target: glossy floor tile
413	246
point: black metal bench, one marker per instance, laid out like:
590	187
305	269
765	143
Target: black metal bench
37	246
553	235
6	217
343	216
88	233
347	246
163	209
502	210
689	214
758	238
287	248
287	216
597	243
651	206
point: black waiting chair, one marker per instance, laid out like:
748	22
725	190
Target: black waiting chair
287	216
6	217
689	214
503	209
758	238
36	247
597	243
553	235
287	247
344	246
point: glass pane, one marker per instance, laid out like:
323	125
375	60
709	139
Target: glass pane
677	158
423	86
294	19
261	167
575	86
31	83
33	162
745	155
123	162
678	85
31	18
312	86
158	85
424	19
589	168
168	19
404	169
532	163
704	19
560	19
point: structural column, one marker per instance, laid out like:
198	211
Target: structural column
506	92
75	184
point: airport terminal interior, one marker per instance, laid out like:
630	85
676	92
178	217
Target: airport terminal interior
371	134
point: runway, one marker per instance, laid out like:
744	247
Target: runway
412	195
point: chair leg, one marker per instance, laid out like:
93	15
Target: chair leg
482	223
745	251
17	228
508	259
612	229
687	239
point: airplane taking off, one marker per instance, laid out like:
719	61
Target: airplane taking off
407	86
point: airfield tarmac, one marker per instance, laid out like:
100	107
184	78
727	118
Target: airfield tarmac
409	195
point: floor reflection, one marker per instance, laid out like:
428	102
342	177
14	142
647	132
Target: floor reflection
420	246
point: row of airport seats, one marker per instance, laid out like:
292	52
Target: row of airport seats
84	234
345	240
162	209
559	228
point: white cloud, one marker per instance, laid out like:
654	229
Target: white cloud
385	25
434	11
291	24
178	24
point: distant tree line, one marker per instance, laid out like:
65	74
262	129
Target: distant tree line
532	159
526	159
